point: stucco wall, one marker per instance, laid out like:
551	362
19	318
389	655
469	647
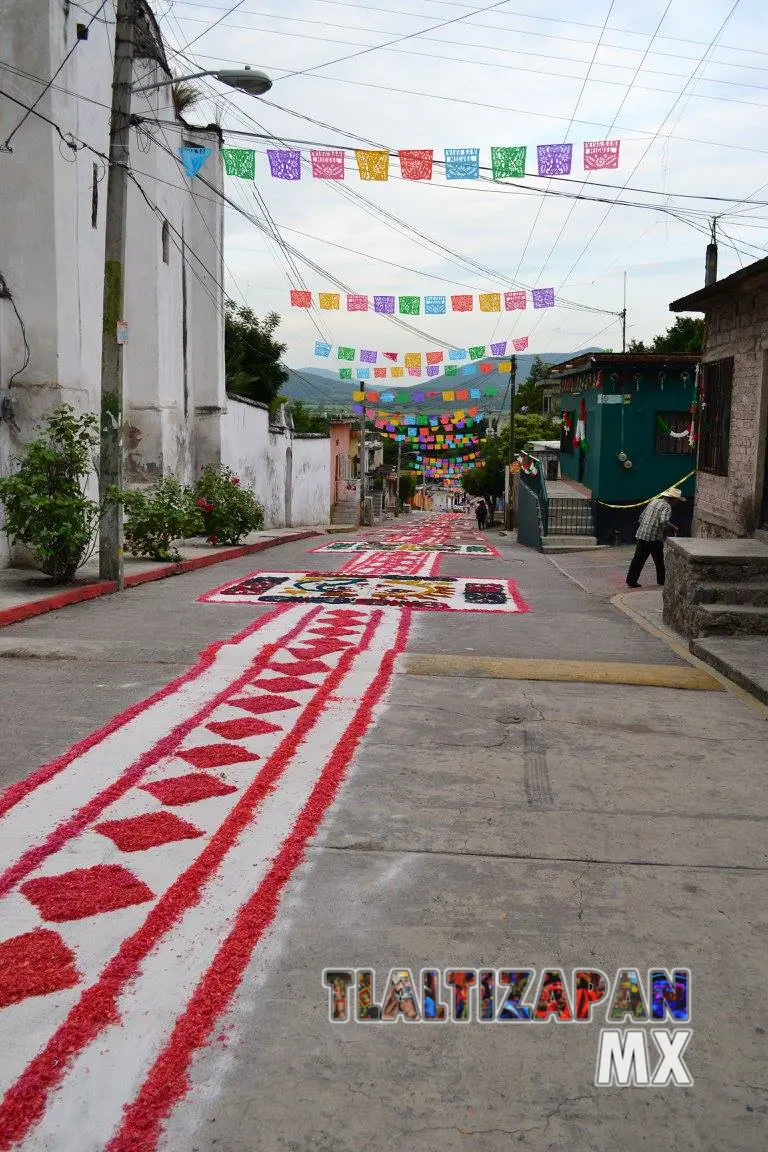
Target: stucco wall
260	455
729	506
311	480
52	250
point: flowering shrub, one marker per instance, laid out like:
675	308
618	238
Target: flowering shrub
159	516
229	512
46	506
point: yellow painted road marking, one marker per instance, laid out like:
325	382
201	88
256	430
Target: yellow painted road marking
577	671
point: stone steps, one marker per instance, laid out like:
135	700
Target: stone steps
717	587
555	543
731	619
753	592
344	514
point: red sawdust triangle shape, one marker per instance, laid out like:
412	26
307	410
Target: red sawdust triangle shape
35	964
318	648
299	667
188	789
216	755
242	727
266	703
332	630
85	892
284	684
150	830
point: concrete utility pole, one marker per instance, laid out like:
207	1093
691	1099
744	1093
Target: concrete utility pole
510	515
363	468
624	318
710	266
397	486
111	452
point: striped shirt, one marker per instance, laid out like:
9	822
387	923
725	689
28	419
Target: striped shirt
656	515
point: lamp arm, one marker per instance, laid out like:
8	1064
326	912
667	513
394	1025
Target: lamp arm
174	80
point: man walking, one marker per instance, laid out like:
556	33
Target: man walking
653	527
481	512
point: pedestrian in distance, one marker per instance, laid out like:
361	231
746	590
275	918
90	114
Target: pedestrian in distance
655	524
481	512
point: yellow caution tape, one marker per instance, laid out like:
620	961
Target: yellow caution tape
640	503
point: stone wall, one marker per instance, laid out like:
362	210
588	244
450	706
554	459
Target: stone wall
729	506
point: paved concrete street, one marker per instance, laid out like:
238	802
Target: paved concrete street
366	784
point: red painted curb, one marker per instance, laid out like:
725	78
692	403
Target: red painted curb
106	587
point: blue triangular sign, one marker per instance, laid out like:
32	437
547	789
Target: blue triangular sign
192	159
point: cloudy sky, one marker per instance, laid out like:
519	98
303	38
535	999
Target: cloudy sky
683	86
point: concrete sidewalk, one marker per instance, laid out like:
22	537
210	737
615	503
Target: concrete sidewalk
26	592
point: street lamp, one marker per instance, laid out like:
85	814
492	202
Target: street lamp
111	449
245	79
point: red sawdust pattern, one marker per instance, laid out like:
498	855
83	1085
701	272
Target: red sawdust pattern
333	630
188	789
300	667
242	727
35	964
216	755
16	793
266	703
24	1103
74	826
137	833
85	892
285	684
317	648
168	1080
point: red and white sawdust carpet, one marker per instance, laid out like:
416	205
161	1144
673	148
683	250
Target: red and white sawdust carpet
139	871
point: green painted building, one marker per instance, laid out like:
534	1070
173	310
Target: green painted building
633	443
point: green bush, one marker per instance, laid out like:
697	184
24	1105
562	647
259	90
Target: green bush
229	512
46	506
159	516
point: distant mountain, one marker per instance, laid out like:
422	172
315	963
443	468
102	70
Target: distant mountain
321	387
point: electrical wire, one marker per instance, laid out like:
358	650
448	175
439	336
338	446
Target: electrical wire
398	40
7	145
520	32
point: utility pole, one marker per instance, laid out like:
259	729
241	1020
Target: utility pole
510	516
111	448
710	266
363	468
624	318
397	486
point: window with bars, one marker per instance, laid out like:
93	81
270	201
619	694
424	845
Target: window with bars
715	416
672	433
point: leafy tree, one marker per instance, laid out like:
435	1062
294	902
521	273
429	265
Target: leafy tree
305	420
252	354
684	337
488	479
530	394
407	486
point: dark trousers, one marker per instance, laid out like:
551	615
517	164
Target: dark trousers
644	549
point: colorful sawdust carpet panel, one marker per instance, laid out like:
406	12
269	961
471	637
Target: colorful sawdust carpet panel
436	594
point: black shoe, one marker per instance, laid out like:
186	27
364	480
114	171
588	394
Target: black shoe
633	585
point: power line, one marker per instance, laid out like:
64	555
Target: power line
517	68
7	145
397	40
520	31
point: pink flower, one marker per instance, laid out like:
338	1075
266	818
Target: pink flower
235	480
